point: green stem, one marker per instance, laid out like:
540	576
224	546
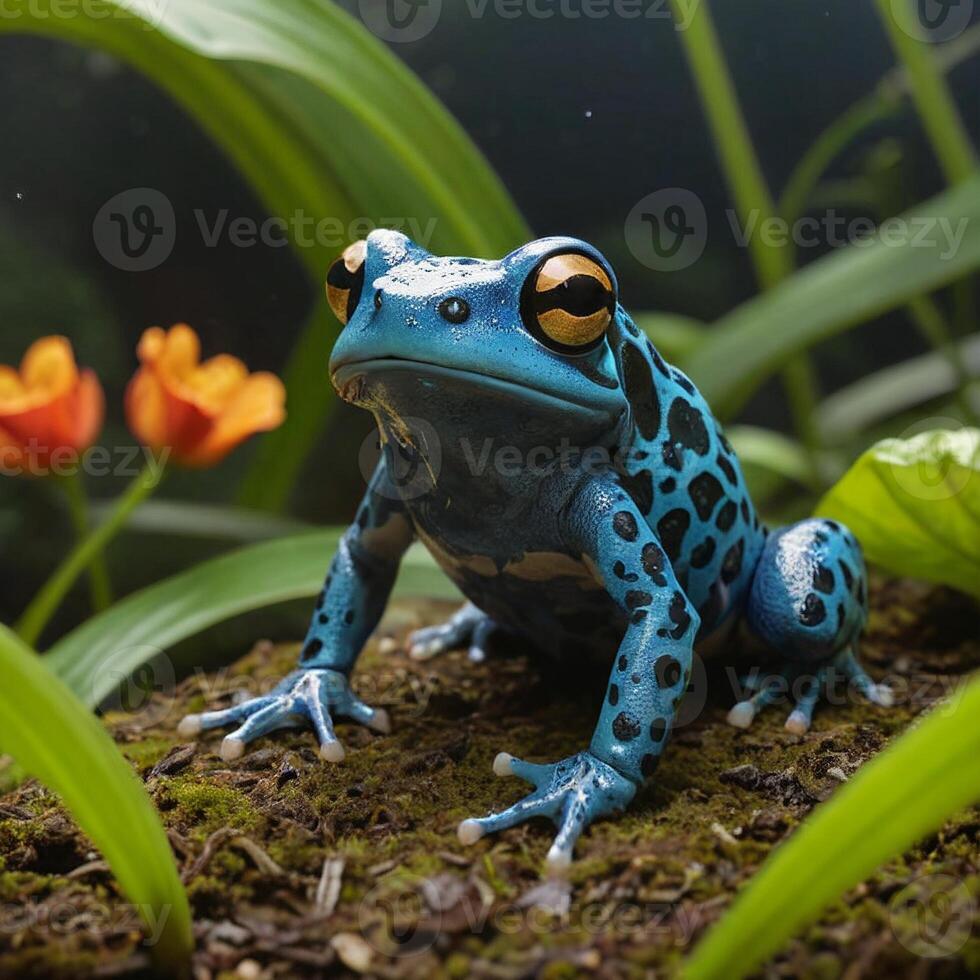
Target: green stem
932	98
773	263
47	601
825	149
79	511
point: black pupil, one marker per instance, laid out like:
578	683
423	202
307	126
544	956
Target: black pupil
454	309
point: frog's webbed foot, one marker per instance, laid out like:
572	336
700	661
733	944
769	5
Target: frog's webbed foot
467	626
304	697
572	793
805	684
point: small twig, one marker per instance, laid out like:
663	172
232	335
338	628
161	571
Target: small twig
328	890
84	869
211	846
263	862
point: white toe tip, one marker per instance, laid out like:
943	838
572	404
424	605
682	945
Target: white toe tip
469	832
797	723
332	752
884	696
476	655
189	726
501	764
421	651
558	861
742	714
380	722
232	749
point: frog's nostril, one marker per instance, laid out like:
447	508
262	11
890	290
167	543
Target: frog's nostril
377	299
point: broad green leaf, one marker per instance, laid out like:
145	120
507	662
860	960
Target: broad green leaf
323	122
54	737
914	505
920	780
934	244
92	659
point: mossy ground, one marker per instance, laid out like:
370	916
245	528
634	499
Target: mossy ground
297	868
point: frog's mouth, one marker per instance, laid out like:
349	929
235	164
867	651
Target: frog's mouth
351	379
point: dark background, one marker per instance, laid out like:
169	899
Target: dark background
581	118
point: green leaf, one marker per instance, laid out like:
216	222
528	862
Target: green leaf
54	737
220	522
92	659
771	450
914	505
834	292
919	781
324	122
893	390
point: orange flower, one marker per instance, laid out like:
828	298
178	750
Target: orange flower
198	411
50	412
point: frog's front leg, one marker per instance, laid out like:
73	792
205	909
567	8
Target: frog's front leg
649	675
347	610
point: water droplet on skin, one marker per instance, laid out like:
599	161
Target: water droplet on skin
588	113
19	195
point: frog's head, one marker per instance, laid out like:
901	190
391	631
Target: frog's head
530	331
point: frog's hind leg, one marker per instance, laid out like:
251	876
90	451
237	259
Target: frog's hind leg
467	626
809	602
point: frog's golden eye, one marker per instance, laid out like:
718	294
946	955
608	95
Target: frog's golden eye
345	280
567	302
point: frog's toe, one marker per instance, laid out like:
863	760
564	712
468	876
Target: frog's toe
468	626
571	793
879	694
769	690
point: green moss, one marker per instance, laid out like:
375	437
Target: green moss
147	752
207	807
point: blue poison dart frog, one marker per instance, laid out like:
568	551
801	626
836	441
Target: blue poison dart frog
614	520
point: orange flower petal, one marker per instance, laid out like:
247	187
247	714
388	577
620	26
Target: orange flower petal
215	383
48	369
181	352
258	405
88	410
146	408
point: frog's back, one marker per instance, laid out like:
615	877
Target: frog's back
685	477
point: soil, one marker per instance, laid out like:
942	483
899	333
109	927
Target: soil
298	868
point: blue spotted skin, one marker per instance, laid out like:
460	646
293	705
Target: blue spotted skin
629	537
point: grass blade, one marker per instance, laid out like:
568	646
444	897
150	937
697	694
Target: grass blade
897	388
54	737
92	658
928	88
837	291
928	774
